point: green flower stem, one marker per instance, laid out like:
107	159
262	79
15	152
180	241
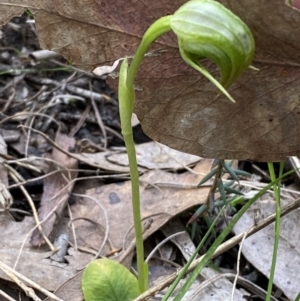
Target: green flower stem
142	270
126	99
191	53
158	28
126	104
276	189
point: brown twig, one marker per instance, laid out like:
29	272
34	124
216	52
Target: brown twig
98	117
81	121
17	177
9	101
5	267
75	90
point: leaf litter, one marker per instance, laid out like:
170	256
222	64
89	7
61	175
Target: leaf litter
36	100
57	188
47	158
258	248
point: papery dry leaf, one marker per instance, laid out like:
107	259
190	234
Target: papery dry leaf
33	263
153	155
177	106
57	187
258	248
183	241
214	291
100	161
160	204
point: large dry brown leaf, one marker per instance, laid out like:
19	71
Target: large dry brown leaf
175	105
159	204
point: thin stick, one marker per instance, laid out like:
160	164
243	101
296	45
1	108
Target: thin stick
238	264
28	290
3	266
80	121
16	178
247	284
28	136
73	227
9	101
162	243
73	89
18	115
9	298
98	117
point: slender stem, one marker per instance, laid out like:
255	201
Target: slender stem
276	189
158	28
126	103
126	100
135	190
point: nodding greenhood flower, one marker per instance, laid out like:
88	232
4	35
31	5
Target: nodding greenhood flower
206	29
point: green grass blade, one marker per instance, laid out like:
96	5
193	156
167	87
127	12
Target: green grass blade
230	171
276	188
183	271
207	177
222	191
298	297
222	236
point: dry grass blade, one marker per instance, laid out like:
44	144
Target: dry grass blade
6	268
247	284
238	264
17	179
98	117
7	297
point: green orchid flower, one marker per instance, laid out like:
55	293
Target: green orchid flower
206	29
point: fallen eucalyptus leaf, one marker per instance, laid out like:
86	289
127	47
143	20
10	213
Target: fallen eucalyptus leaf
175	105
